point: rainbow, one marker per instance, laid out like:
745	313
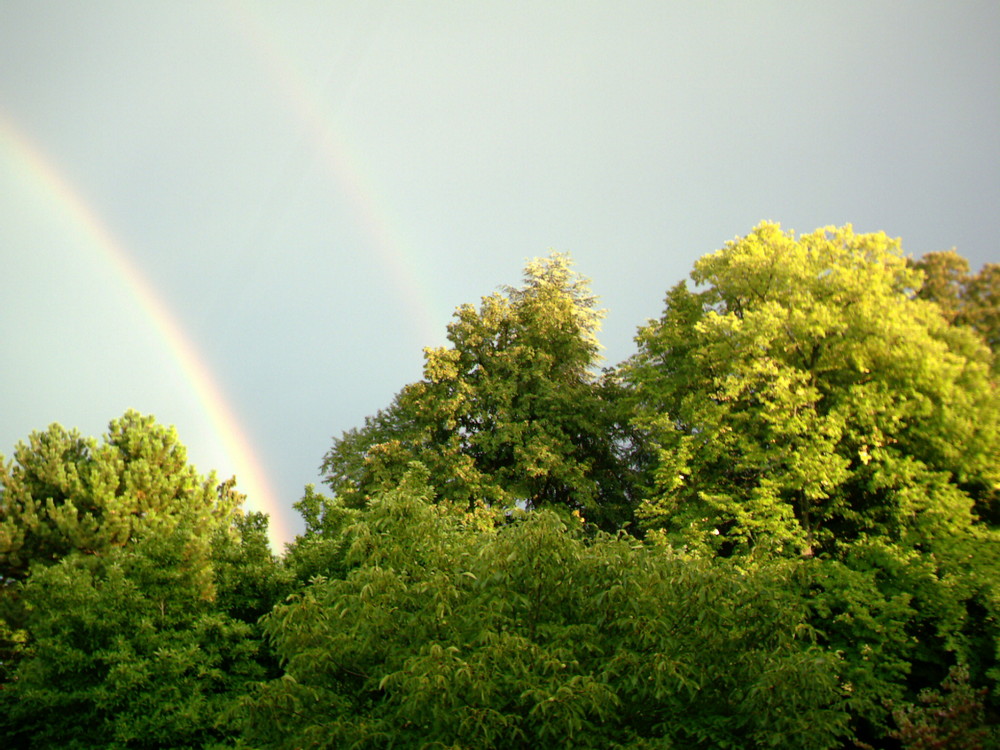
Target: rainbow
34	163
305	100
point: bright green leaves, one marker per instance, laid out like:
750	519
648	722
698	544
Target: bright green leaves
803	402
804	399
817	447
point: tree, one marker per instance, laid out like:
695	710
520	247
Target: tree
64	493
128	654
130	591
964	299
521	629
803	400
513	412
248	578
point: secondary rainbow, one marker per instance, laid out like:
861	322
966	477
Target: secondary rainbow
251	480
305	99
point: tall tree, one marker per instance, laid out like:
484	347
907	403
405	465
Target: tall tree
65	493
513	412
802	402
803	399
129	590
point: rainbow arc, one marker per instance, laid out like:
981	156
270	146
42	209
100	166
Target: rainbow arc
36	166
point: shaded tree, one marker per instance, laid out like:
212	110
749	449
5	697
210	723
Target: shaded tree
131	588
525	629
513	412
964	298
126	655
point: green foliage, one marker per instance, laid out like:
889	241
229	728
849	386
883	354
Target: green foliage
512	412
965	299
322	550
488	629
129	655
249	579
808	440
64	493
805	403
130	589
804	400
898	620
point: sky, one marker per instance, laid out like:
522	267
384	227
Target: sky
249	218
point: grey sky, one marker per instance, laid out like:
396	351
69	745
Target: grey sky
312	188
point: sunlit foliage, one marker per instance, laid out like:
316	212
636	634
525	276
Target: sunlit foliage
488	629
776	525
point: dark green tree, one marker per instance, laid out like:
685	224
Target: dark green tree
130	592
128	654
249	579
513	412
522	629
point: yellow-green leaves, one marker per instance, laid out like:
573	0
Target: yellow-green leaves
810	396
63	493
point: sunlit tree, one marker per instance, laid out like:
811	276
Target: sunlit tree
801	399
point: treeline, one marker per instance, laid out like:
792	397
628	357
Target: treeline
775	525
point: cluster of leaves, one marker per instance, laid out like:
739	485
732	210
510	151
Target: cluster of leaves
493	629
774	526
812	406
954	719
964	298
804	400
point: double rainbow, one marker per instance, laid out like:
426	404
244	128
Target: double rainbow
305	100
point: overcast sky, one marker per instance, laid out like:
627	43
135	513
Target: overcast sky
302	193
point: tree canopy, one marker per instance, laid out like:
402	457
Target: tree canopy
64	493
964	298
776	525
803	399
125	611
487	630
